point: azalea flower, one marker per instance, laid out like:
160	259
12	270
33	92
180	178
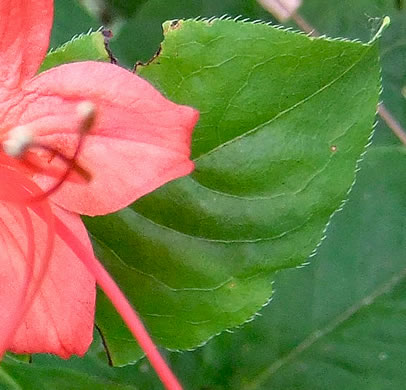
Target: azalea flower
57	162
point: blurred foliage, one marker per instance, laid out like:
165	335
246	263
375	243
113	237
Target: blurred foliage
70	19
47	372
113	9
359	20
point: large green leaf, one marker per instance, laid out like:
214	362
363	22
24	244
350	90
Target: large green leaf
118	340
338	323
284	119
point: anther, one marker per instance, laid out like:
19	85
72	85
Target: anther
87	113
19	140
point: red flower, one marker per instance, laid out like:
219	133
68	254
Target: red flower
138	141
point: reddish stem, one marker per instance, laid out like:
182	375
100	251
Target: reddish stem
122	306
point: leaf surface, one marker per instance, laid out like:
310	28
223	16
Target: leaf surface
284	120
86	47
339	322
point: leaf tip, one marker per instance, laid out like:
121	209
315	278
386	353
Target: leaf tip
171	25
384	25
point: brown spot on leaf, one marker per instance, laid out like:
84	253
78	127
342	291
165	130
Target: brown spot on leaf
175	24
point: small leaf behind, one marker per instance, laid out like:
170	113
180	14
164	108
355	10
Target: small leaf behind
85	47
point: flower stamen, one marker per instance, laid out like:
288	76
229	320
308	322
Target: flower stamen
85	174
87	113
123	307
21	139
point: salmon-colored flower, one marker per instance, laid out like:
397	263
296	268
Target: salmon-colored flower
138	140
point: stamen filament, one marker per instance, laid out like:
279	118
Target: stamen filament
76	167
21	139
122	306
71	166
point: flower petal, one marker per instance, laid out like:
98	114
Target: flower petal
140	140
25	28
24	251
15	277
61	317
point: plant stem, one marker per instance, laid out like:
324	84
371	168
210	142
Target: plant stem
392	123
123	307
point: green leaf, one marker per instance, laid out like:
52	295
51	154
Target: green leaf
118	341
337	323
284	120
86	47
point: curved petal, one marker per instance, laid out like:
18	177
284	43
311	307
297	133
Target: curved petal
16	248
61	317
140	140
25	28
25	251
